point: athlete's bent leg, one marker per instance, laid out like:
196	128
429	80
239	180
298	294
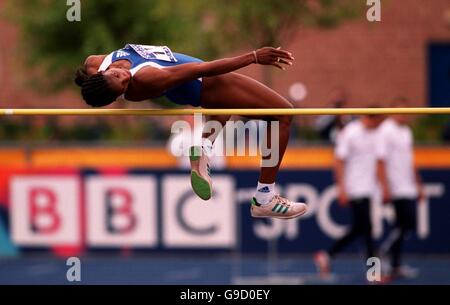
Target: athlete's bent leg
237	91
200	158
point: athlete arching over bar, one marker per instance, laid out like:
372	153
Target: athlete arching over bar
139	72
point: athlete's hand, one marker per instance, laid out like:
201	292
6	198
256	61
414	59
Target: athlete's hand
273	56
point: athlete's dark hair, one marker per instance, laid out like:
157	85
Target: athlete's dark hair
94	89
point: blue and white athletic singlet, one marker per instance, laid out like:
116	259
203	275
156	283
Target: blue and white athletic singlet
159	57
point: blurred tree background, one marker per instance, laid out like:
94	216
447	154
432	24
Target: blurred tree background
203	28
275	22
206	29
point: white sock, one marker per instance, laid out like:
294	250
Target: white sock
207	146
264	192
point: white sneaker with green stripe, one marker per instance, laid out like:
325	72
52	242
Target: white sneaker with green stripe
278	207
200	173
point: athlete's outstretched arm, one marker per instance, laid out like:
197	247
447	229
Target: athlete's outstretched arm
264	56
159	80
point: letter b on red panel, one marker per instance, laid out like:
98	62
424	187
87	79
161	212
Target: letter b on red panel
45	210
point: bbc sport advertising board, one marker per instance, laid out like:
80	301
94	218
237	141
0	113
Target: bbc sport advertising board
157	211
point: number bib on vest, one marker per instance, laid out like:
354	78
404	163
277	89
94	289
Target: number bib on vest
154	52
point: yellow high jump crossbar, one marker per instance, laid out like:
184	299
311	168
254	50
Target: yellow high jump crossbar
244	111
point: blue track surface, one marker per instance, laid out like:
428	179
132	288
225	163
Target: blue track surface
216	270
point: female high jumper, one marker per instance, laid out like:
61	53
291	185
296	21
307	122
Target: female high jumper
140	72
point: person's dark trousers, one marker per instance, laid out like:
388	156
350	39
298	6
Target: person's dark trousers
361	226
405	222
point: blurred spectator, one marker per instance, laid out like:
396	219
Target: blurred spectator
355	173
328	126
400	181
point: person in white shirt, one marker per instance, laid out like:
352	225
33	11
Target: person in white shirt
355	174
399	179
